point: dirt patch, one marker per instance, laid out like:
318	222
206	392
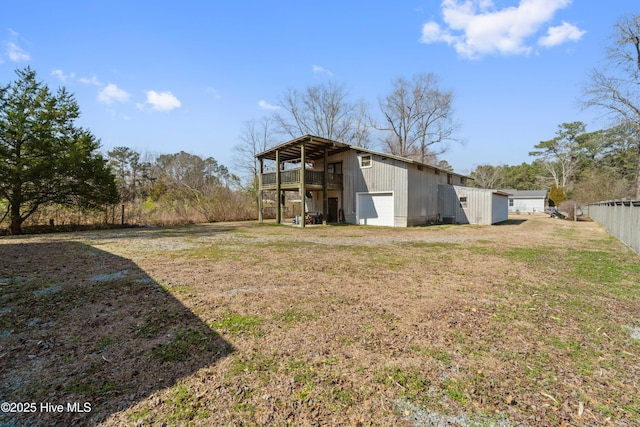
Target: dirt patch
525	323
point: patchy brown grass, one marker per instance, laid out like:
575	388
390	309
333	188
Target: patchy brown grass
528	323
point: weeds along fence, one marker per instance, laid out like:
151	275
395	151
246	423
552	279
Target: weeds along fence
165	213
62	216
621	218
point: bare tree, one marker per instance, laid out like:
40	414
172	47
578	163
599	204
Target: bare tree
359	133
418	118
616	87
255	137
323	110
488	176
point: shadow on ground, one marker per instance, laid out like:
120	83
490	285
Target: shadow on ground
511	221
82	328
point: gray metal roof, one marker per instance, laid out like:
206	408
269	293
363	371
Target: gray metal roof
314	149
527	194
315	146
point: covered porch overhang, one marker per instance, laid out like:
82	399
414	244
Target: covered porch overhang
300	151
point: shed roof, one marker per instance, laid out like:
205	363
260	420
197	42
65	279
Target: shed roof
527	194
314	148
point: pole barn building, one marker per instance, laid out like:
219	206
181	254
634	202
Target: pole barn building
336	182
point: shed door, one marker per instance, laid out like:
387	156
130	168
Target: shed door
375	209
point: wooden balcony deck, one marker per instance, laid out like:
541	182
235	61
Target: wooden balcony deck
290	179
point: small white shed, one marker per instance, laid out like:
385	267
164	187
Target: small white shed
468	205
527	200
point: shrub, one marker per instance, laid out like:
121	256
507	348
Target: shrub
556	196
570	207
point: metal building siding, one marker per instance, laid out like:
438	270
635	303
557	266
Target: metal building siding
423	194
482	206
415	192
384	175
349	165
478	208
447	203
500	208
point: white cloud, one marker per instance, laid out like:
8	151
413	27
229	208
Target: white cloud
266	106
12	50
163	101
561	34
318	69
112	93
62	76
16	54
476	28
213	92
92	81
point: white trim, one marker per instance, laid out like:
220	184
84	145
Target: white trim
361	157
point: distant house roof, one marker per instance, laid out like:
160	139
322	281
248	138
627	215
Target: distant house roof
527	194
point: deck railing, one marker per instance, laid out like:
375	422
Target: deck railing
293	177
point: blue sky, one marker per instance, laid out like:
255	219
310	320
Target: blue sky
162	77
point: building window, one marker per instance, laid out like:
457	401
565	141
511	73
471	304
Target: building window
510	202
365	161
449	179
334	167
463	180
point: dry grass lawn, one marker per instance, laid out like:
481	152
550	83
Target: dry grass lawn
531	323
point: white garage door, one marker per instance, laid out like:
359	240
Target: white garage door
375	209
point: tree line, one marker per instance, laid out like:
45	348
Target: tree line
576	164
177	188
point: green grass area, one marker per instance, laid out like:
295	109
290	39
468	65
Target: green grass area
410	383
238	324
289	318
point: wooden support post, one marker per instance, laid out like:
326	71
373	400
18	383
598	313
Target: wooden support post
260	192
278	201
325	194
303	184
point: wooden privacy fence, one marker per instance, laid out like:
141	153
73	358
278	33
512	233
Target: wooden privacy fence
621	218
